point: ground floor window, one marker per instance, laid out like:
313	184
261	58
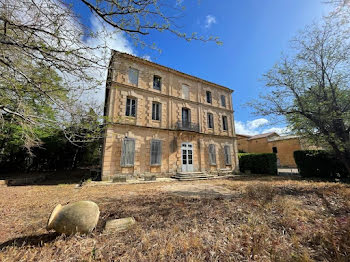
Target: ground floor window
212	154
128	152
156	152
227	155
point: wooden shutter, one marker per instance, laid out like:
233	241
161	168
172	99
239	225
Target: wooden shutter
227	155
212	154
128	152
156	152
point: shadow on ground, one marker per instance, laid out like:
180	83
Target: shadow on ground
35	240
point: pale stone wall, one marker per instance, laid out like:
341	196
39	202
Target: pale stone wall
143	128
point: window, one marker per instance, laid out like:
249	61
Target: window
133	76
223	101
224	123
185	92
210	120
212	154
156	152
227	155
274	150
186	116
128	152
209	97
157	82
130	107
156	109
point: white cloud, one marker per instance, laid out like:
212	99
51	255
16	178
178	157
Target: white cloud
255	127
278	130
254	124
147	57
209	20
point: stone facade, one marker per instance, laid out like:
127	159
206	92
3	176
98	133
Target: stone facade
171	128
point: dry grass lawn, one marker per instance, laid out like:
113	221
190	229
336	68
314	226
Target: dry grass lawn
265	219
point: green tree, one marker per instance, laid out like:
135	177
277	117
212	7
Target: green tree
310	88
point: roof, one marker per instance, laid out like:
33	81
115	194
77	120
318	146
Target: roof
282	138
263	135
247	136
173	70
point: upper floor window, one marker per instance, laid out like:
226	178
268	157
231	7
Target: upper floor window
223	101
274	150
128	152
224	123
208	97
157	82
130	107
210	120
156	152
186	116
227	152
133	76
212	154
185	92
156	111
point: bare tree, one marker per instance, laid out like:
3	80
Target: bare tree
46	36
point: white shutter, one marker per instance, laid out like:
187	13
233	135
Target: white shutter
133	76
156	152
212	154
128	152
227	155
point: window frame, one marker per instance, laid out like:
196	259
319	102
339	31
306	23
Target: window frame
160	82
210	116
209	98
224	123
123	158
212	154
154	103
128	108
159	153
223	101
137	76
227	155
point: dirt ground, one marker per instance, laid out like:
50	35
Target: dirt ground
251	219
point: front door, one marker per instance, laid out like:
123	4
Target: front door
187	157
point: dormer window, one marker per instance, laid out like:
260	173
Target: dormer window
208	97
157	82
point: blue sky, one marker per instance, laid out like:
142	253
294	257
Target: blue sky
254	34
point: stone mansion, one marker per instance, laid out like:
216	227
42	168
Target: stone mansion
163	121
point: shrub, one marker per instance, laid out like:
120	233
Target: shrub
258	163
319	163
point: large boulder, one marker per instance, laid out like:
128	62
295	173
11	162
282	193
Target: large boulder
78	217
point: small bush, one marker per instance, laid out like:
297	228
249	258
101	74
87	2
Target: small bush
258	163
319	163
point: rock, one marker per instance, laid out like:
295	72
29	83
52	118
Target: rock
78	217
119	179
119	225
150	178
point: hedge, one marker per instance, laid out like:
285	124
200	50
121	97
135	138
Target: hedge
319	163
258	163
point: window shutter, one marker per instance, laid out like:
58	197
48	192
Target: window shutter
133	76
156	152
128	152
227	155
212	154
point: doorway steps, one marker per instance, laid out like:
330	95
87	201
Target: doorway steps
191	176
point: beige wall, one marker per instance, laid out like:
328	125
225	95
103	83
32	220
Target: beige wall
285	148
143	128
